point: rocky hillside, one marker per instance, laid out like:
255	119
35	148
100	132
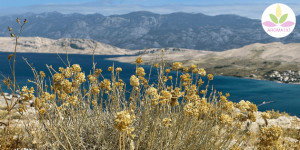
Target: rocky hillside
73	46
255	60
139	30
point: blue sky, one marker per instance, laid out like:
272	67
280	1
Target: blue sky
247	8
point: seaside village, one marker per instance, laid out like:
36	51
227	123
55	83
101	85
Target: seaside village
288	76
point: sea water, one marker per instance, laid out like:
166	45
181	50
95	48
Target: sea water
282	97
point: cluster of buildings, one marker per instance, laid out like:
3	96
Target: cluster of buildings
288	76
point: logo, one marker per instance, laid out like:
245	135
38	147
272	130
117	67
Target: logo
278	20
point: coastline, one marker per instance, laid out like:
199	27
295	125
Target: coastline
261	79
115	57
121	59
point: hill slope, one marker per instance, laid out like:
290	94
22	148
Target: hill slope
73	46
258	59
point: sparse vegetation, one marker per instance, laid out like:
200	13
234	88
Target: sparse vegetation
87	111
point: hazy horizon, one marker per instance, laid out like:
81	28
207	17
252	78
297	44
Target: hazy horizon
252	9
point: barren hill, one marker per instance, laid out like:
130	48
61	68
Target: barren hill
73	46
257	59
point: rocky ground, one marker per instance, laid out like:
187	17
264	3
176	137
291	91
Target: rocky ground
18	119
289	124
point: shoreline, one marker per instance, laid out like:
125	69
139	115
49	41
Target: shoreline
260	79
243	77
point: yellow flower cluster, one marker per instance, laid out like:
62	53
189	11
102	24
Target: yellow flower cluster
246	106
165	97
151	91
123	120
186	79
95	90
58	77
196	71
110	68
176	93
202	72
193	66
201	107
26	93
164	78
40	102
80	77
197	108
61	83
228	106
120	84
92	78
105	85
153	95
76	68
223	99
140	72
200	82
98	72
167	70
225	119
188	109
72	100
210	77
139	60
118	69
68	71
134	81
192	95
186	69
42	74
269	138
66	86
177	65
48	96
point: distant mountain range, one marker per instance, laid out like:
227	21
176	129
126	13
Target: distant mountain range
139	30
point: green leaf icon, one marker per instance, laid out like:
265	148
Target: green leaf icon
283	18
274	18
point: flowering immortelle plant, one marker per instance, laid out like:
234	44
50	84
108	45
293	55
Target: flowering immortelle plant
176	115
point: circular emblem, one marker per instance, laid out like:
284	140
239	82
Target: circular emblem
278	20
